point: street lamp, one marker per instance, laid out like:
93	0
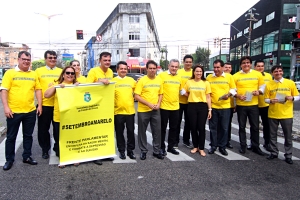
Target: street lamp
49	17
251	19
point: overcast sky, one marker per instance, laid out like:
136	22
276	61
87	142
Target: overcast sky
187	22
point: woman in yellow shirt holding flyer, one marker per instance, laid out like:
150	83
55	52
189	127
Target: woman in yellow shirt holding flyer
198	90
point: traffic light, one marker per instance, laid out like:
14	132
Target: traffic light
79	34
296	39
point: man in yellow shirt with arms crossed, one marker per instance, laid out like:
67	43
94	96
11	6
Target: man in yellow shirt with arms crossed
280	94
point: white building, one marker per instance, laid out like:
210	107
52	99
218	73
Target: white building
129	34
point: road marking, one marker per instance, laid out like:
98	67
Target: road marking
181	157
19	140
53	159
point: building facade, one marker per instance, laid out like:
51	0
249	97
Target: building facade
271	34
129	33
9	54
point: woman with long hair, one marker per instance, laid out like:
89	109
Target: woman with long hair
67	77
198	90
76	65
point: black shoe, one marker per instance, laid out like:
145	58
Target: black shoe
7	165
289	161
30	161
45	155
131	155
188	145
242	150
163	152
258	151
108	159
122	155
249	147
98	162
143	156
173	151
211	151
229	145
158	155
272	156
223	152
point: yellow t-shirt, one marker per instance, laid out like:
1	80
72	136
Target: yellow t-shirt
279	110
248	83
97	73
47	76
56	114
184	75
148	89
261	99
197	90
220	86
21	88
124	101
171	88
81	79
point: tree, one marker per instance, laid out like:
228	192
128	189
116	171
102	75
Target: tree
38	63
201	56
164	64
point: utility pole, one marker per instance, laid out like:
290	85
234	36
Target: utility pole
166	61
295	47
251	19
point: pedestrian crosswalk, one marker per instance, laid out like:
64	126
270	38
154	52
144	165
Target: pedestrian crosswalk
232	155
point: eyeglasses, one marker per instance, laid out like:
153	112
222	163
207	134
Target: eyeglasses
50	58
68	73
25	59
76	65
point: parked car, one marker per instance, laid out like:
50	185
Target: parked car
298	85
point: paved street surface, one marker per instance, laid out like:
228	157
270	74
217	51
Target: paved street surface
187	176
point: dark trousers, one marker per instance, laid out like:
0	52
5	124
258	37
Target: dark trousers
155	123
229	124
252	113
171	116
263	112
287	127
120	121
186	131
197	113
44	121
13	124
218	125
56	136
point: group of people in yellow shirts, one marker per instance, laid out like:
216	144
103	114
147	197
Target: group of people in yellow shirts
162	101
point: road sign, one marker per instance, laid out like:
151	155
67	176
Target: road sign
99	38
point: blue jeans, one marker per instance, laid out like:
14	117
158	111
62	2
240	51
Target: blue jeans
219	136
13	124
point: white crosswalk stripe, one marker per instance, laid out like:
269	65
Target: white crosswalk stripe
19	141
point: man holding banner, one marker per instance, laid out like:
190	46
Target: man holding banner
124	110
148	93
102	74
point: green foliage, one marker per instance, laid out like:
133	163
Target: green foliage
164	64
38	63
201	56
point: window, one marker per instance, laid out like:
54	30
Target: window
239	34
117	52
246	30
270	42
232	54
270	16
256	46
286	38
134	52
134	36
238	52
257	24
133	19
290	9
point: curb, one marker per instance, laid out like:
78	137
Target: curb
2	130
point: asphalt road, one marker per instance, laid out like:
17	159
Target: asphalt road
212	177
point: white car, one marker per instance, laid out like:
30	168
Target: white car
298	85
